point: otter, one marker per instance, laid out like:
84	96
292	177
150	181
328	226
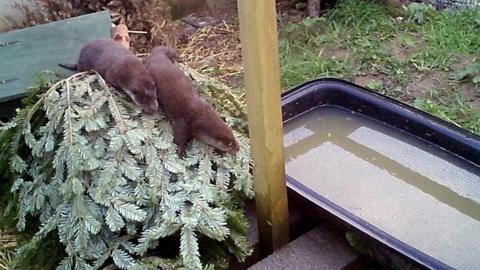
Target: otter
191	116
120	68
120	34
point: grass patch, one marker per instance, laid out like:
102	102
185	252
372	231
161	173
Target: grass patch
359	14
299	66
454	109
309	49
395	49
453	31
471	72
428	60
447	35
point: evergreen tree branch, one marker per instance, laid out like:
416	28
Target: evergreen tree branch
117	114
98	173
69	110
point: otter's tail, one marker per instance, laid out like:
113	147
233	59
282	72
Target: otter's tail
69	66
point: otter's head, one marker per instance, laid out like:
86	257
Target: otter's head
120	34
221	137
143	92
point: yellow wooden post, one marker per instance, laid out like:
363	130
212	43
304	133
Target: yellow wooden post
258	32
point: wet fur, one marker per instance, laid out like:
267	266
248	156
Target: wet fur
120	68
190	115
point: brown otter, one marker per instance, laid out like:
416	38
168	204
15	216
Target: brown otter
120	68
191	116
120	34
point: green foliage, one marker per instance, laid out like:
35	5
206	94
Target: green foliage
355	241
302	66
90	167
455	31
367	39
447	34
7	205
456	110
374	84
29	259
306	27
360	14
353	33
428	60
471	71
38	255
419	12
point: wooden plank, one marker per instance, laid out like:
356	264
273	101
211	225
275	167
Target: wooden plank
26	52
258	32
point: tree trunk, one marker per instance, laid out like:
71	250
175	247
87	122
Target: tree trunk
313	8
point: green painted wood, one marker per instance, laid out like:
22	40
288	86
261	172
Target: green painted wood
27	52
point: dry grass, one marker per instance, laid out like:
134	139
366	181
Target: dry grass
150	16
8	242
215	51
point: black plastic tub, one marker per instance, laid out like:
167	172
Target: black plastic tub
459	143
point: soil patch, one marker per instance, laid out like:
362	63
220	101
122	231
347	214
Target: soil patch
470	90
471	93
337	53
366	80
421	87
402	46
397	50
422	84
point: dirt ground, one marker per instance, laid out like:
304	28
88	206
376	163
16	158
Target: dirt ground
209	40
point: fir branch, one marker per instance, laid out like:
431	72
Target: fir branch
122	259
106	176
116	112
65	264
155	263
130	211
114	220
153	234
238	104
69	111
189	248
